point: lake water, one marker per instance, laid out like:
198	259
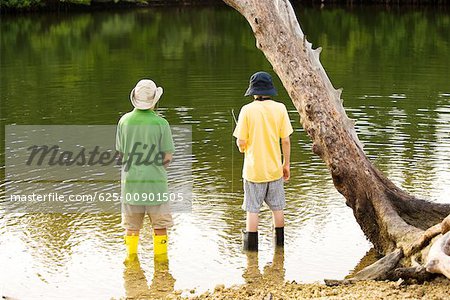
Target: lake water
78	69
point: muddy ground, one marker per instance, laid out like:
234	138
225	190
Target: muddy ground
436	289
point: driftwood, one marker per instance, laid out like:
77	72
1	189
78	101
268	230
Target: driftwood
391	219
438	259
418	274
380	269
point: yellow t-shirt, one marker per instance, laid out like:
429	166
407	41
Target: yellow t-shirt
261	124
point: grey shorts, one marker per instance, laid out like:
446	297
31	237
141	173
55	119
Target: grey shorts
256	193
133	216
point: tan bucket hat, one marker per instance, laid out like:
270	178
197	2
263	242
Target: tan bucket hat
145	94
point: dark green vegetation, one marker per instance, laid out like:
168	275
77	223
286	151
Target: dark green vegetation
25	5
14	5
44	5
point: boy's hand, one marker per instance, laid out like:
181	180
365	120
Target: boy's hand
286	172
242	145
167	159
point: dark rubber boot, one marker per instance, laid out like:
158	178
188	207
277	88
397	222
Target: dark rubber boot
250	240
279	236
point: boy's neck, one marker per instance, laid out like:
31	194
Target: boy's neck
261	98
144	110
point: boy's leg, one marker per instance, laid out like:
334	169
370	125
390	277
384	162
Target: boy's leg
278	218
278	222
160	231
161	219
132	219
254	194
275	199
252	222
132	242
160	242
250	235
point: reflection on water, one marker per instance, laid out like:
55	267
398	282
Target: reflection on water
79	69
137	287
273	272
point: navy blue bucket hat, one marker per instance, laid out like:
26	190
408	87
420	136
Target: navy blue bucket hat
261	84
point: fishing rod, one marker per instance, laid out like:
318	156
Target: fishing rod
232	150
234	116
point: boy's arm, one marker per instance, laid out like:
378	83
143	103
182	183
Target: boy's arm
286	148
167	146
241	131
119	141
285	131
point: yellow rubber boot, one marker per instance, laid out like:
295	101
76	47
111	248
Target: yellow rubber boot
131	242
160	245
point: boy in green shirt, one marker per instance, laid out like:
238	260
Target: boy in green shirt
145	142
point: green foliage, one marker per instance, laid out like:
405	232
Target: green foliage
20	3
83	2
23	4
52	4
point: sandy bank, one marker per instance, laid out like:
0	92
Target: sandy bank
437	289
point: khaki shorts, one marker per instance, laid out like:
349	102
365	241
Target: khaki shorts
133	216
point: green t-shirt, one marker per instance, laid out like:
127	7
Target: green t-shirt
143	137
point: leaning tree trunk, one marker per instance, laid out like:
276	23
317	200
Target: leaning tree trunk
390	218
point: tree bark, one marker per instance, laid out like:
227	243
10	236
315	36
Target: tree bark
390	218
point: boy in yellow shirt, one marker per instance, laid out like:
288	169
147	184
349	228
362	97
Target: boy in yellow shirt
261	125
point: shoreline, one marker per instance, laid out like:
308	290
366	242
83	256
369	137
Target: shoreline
436	289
